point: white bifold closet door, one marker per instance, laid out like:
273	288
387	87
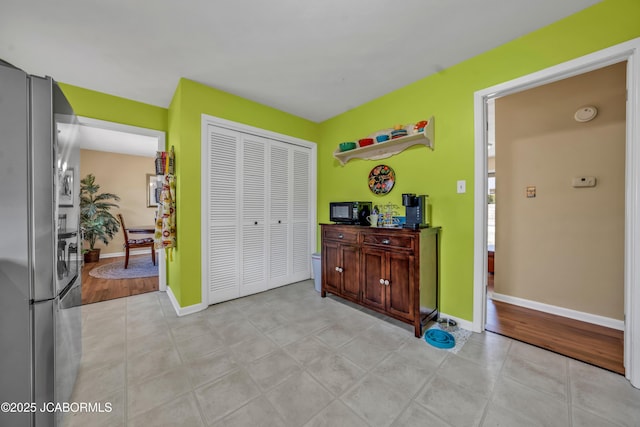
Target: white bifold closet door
300	211
279	214
253	248
258	214
223	207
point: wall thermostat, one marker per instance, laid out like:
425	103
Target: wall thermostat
584	181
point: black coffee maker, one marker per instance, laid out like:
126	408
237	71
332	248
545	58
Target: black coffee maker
416	207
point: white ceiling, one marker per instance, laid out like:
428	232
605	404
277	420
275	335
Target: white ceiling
93	138
312	59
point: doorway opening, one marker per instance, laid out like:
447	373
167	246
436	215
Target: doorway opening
561	239
620	53
120	152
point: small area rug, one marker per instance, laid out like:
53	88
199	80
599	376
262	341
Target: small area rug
138	267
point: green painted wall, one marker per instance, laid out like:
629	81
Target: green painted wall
448	96
98	105
189	103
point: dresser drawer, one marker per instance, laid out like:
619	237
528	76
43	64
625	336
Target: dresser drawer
341	235
389	240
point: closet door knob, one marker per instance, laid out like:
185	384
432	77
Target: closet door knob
382	281
386	283
337	268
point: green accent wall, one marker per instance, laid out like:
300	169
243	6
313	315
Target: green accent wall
101	106
449	96
190	101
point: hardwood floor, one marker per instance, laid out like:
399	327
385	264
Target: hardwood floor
96	290
597	345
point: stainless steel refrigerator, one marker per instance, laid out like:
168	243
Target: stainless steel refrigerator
40	268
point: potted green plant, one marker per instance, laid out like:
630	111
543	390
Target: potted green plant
96	222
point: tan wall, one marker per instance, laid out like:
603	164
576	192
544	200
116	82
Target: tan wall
565	247
125	176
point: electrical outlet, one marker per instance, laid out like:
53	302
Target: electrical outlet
462	186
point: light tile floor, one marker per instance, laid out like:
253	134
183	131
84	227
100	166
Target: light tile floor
290	358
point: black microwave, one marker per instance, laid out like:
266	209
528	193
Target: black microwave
350	212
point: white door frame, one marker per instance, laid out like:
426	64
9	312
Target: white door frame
161	138
628	51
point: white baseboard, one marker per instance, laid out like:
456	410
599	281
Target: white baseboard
561	311
183	311
118	254
464	324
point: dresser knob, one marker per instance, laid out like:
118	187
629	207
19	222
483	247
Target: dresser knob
340	236
386	241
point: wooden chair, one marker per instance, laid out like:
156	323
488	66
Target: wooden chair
146	242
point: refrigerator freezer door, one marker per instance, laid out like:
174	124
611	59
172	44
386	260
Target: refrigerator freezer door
68	344
42	184
15	342
43	358
66	190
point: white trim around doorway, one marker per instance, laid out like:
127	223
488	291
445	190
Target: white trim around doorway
161	138
628	51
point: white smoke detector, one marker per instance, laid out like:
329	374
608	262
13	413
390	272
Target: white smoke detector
586	114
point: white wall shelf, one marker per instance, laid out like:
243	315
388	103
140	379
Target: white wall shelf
382	150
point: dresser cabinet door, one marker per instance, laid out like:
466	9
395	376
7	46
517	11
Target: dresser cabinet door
330	267
373	271
350	271
400	273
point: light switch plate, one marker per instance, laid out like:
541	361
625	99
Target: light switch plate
462	186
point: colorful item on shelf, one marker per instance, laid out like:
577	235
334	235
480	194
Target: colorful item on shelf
346	146
381	179
419	127
365	141
382	138
398	133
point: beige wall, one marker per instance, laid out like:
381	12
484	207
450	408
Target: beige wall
125	176
565	247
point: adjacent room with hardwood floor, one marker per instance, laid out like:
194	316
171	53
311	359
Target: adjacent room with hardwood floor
103	145
95	289
555	273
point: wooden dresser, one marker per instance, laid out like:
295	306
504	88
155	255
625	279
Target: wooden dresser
390	270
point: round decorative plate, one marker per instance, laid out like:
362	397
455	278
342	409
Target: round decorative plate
381	179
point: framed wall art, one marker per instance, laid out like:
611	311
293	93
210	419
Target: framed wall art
65	192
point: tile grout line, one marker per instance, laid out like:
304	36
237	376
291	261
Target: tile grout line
568	392
183	363
493	390
126	365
